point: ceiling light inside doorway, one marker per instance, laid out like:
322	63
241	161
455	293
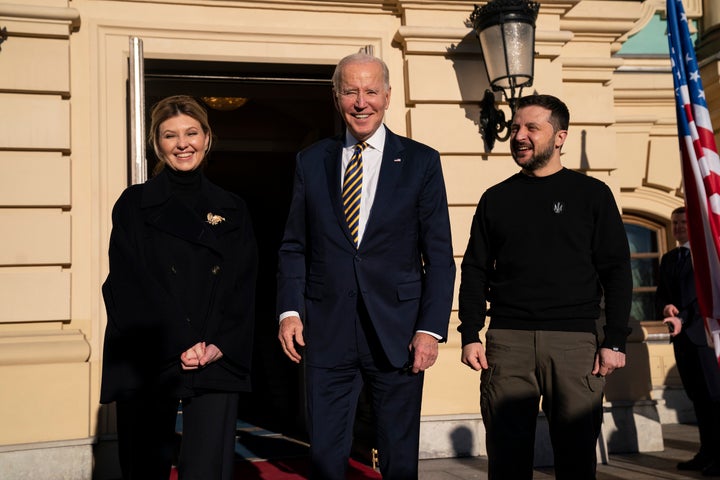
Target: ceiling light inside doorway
224	104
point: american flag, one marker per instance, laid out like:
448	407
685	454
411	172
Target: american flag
700	169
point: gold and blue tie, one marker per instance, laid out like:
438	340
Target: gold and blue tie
352	191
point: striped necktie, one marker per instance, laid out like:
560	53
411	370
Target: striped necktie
352	190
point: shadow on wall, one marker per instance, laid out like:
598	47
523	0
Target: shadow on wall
584	162
631	419
462	441
471	75
675	406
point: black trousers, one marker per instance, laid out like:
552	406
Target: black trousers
700	377
146	436
147	439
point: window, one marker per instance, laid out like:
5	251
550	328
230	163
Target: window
647	243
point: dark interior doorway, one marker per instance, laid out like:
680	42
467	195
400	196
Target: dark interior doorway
287	108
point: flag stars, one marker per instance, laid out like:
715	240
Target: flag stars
694	76
714	201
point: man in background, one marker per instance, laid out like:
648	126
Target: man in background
695	359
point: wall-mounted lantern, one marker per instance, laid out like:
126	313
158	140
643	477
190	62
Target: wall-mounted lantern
506	31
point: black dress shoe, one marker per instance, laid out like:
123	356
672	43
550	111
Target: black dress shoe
712	470
696	463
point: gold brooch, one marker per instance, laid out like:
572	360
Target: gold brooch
213	219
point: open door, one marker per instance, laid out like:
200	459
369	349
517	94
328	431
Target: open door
136	96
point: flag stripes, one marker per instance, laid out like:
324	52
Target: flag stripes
700	169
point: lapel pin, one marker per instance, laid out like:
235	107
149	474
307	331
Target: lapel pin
213	219
397	160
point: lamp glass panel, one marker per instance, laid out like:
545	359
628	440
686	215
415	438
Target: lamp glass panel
517	69
491	41
519	46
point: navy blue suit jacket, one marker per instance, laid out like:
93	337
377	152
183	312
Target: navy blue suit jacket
404	267
676	285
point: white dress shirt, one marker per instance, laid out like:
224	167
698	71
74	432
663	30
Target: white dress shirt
372	159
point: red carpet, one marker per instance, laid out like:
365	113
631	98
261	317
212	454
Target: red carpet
290	469
262	454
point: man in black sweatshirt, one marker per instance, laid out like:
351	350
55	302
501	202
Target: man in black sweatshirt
546	246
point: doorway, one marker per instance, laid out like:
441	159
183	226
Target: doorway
284	109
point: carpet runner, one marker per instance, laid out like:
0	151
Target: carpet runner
289	469
264	455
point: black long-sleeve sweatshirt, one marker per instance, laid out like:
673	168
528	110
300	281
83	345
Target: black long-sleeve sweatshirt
544	251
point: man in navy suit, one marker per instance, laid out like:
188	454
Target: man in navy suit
696	362
368	303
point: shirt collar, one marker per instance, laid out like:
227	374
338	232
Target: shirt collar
376	140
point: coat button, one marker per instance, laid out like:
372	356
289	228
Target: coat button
187	319
172	269
215	269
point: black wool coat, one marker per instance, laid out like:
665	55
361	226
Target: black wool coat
177	278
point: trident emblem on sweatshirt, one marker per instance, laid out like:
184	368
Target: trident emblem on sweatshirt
558	207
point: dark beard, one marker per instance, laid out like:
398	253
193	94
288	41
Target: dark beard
538	160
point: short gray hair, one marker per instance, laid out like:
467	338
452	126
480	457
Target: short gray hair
359	58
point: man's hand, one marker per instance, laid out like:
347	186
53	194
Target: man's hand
424	348
670	310
473	355
290	332
607	361
674	325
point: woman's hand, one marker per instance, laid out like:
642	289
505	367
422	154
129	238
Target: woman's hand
199	356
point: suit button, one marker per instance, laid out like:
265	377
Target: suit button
172	269
187	319
215	269
352	293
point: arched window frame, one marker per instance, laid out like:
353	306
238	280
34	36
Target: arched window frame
660	229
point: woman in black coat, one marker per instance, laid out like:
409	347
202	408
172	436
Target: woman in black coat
180	305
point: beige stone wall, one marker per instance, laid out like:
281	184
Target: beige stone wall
43	346
63	149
